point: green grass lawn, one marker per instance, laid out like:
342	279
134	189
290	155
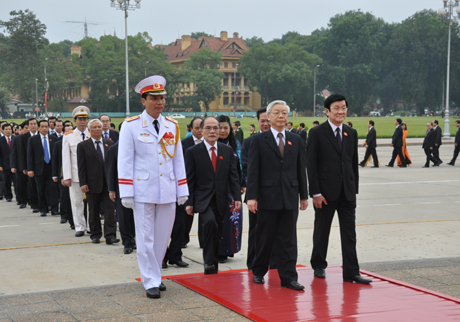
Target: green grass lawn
383	125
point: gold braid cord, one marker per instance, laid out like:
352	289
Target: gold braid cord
163	146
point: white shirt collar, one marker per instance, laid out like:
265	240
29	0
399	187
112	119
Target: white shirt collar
334	127
195	138
42	136
208	146
275	132
79	132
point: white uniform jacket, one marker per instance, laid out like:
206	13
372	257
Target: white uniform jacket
69	155
150	165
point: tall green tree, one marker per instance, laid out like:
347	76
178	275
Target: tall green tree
250	42
199	34
205	74
20	60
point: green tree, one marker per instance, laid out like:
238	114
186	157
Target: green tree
250	42
20	63
205	74
199	34
4	98
280	72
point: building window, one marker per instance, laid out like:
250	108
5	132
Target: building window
234	65
225	64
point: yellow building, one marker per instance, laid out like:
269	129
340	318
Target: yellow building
231	50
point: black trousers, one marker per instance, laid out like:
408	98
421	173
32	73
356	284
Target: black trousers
456	150
126	224
6	183
65	207
44	183
252	241
430	157
436	152
22	186
188	228
276	227
372	152
323	220
33	193
397	150
94	205
212	223
174	251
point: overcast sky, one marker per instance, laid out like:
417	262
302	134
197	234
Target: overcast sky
167	20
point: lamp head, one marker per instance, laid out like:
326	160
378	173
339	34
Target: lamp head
138	1
120	1
442	12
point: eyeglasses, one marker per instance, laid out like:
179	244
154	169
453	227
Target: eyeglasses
337	109
276	113
209	128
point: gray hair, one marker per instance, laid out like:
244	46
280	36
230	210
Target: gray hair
92	121
269	107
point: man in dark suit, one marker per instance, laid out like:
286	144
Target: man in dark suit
195	138
5	165
65	208
303	135
58	130
21	179
125	215
397	143
264	125
370	145
91	156
31	184
107	133
276	179
437	141
457	143
238	131
332	166
289	127
39	150
211	170
428	145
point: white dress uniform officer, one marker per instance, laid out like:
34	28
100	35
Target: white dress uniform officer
70	167
152	177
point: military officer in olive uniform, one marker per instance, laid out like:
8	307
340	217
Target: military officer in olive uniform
238	131
152	177
70	167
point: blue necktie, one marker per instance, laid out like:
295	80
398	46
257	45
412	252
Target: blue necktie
45	148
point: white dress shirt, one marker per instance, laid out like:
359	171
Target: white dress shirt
101	145
48	144
334	128
277	139
195	140
209	146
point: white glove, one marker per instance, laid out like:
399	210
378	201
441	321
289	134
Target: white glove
128	202
181	200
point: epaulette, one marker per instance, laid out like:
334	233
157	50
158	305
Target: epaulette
171	119
66	133
132	118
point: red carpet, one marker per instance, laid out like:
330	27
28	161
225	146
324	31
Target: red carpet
323	299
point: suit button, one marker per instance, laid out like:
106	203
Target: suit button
138	178
160	163
159	152
161	174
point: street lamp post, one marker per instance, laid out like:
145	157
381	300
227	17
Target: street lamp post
145	69
46	91
314	91
125	6
36	95
236	89
448	13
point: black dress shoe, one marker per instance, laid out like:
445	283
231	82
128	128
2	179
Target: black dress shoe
164	265
375	166
357	279
294	285
18	203
88	232
63	220
79	233
8	200
112	241
387	165
437	164
1	197
135	246
22	206
42	214
402	166
361	164
153	293
54	213
209	267
162	287
72	227
426	166
320	273
127	250
179	263
222	259
35	210
96	240
184	245
258	279
450	163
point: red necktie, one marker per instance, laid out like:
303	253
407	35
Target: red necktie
214	158
9	142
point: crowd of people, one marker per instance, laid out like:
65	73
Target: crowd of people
153	183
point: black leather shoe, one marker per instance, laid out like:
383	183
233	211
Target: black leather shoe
258	279
223	259
63	220
153	293
96	240
54	213
79	233
294	285
162	287
112	241
164	265
426	166
209	267
387	165
357	279
361	164
179	263
320	273
1	197
437	164
72	227
35	210
42	214
8	200
22	206
375	166
450	163
184	245
127	250
88	232
402	166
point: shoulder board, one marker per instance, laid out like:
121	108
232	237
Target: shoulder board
67	133
171	119
132	118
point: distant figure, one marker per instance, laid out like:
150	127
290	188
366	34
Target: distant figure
315	123
370	145
350	124
404	147
437	141
252	130
457	143
397	143
428	144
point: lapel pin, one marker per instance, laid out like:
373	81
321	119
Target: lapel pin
289	142
345	133
221	157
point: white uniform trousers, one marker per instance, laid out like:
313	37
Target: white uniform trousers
76	200
154	223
